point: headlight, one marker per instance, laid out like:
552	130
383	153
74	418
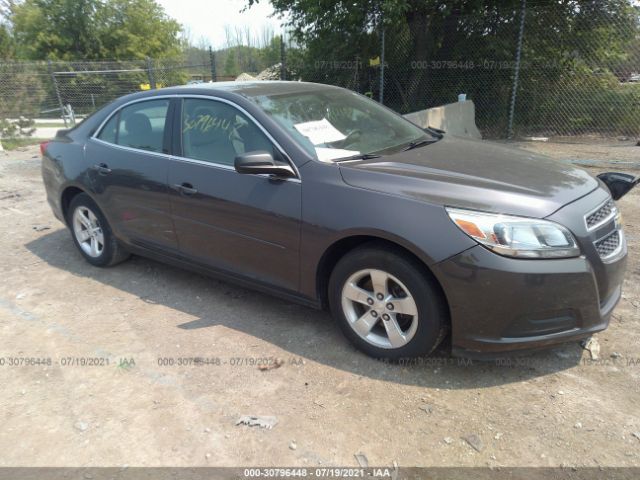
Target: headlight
519	237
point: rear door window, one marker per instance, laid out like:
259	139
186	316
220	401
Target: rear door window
139	126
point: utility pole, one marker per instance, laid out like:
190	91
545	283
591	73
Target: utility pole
382	60
212	61
150	74
283	59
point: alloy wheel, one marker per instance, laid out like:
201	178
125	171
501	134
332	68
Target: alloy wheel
379	308
88	232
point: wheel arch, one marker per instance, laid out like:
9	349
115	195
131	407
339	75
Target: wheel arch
67	196
341	247
72	190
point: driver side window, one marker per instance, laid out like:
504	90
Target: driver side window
216	132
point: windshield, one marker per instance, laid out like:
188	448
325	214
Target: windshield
335	124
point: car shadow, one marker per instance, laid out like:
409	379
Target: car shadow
301	331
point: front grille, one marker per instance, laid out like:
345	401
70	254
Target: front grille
600	215
608	245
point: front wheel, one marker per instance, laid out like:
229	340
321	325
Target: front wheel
91	233
386	304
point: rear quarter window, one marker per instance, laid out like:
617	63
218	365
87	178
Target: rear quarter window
110	131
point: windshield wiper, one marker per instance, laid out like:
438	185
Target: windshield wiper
436	132
420	143
359	156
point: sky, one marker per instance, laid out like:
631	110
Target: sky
206	19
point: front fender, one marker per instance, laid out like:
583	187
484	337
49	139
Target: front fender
333	210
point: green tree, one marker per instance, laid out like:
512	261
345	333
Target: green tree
270	54
6	43
93	29
230	64
567	45
437	29
132	29
56	29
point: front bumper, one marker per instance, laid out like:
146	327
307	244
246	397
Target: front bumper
499	304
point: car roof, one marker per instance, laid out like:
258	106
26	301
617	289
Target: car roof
249	88
246	89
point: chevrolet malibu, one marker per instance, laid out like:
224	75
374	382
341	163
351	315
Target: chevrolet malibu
324	197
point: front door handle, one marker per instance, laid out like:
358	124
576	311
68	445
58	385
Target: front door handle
102	168
186	188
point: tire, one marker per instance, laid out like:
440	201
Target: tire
92	234
405	287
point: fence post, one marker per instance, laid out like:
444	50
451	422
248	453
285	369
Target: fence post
516	75
150	74
57	90
283	60
356	75
382	62
212	61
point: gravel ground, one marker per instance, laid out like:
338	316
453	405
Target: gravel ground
553	408
596	153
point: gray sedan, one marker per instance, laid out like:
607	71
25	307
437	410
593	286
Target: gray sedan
327	198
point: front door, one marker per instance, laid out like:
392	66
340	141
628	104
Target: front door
243	224
129	167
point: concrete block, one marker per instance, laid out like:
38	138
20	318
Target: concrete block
457	118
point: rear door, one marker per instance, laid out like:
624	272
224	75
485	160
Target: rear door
129	173
244	224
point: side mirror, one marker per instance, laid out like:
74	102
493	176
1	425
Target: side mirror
619	183
261	162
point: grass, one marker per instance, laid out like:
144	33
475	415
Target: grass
14	143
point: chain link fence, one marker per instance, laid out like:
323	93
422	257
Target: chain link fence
68	89
531	71
26	90
88	85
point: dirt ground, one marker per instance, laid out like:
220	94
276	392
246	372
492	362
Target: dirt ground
554	408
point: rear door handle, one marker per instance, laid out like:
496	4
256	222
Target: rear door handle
186	188
102	168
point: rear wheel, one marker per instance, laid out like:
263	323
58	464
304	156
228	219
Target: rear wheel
91	233
386	304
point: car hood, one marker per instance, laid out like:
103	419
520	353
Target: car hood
474	174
